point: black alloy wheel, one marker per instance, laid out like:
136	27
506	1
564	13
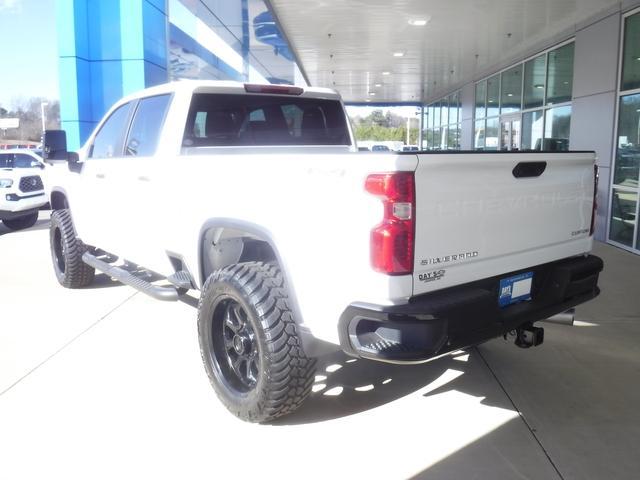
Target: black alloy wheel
249	342
235	345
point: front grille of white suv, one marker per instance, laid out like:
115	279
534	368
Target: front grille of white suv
30	184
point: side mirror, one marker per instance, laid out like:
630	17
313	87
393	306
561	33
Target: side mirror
54	145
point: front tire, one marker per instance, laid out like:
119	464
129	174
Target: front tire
66	252
20	223
249	342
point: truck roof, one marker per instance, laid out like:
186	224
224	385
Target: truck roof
223	86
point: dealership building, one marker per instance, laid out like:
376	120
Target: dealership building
503	75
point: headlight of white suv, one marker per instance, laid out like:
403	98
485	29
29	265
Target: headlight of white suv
5	182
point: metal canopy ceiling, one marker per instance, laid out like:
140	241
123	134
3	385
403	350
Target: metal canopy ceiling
348	44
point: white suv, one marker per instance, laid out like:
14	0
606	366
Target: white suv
22	190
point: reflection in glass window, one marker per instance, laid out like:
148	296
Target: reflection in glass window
436	114
628	145
556	129
444	138
478	137
534	77
145	129
492	132
631	60
430	138
532	130
623	216
437	138
444	112
453	137
453	108
560	75
431	114
481	100
108	141
493	96
511	90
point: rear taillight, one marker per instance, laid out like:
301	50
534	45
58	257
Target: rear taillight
392	240
595	200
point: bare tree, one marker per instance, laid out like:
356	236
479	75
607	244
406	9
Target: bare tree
29	113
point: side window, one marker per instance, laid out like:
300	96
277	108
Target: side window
108	141
22	160
145	129
6	160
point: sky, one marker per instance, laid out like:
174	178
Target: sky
28	50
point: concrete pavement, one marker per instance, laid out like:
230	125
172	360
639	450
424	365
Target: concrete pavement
107	383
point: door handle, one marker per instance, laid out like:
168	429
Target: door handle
529	169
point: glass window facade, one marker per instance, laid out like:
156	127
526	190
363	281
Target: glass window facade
511	98
232	40
534	81
560	75
527	106
481	99
625	194
631	54
441	124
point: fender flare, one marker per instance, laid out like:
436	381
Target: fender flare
263	234
58	190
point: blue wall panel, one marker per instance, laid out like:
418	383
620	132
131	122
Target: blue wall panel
103	29
107	49
154	32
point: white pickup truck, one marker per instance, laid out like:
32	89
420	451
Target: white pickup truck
256	196
22	190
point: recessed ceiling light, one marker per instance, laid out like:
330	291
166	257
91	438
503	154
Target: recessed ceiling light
386	73
378	85
509	94
418	22
638	58
372	93
398	54
566	83
539	86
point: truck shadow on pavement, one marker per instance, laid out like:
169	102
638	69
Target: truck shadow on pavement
41	224
345	386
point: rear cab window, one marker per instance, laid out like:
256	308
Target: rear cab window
261	120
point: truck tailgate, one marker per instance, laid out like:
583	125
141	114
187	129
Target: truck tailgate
477	217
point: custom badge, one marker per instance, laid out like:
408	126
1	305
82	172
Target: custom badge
432	276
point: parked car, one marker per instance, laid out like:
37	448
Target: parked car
380	148
22	188
254	196
410	148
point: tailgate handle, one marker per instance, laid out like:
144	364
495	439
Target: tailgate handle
529	169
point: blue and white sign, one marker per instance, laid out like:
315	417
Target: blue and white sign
515	289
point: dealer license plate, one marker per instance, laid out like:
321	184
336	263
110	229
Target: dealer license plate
515	289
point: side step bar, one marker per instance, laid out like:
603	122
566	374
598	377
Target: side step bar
159	293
